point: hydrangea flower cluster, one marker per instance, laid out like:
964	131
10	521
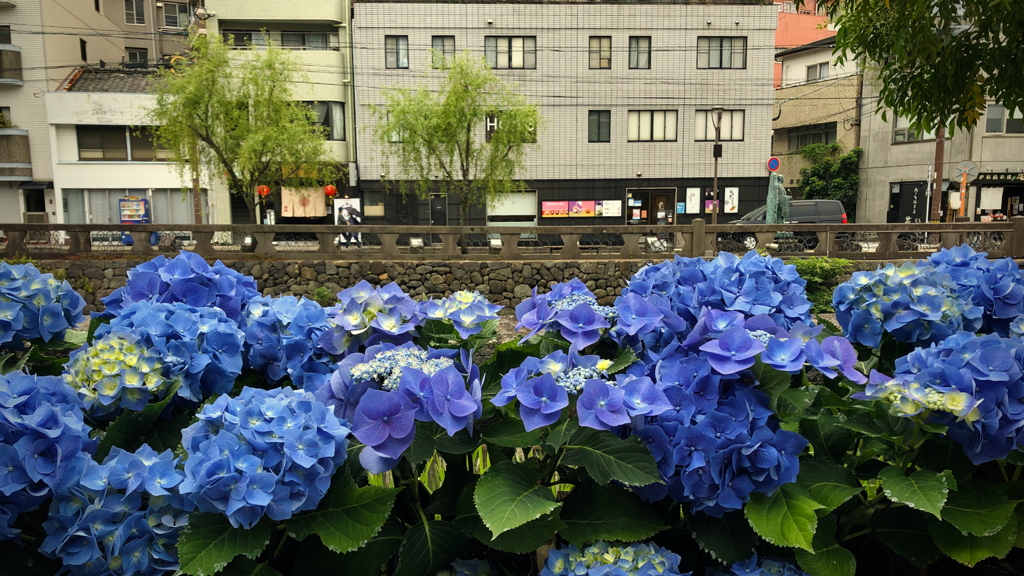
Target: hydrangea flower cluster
280	340
35	305
365	316
467	311
187	278
468	568
117	371
569	309
386	367
604	559
264	452
123	518
665	300
972	384
763	567
44	443
199	352
916	303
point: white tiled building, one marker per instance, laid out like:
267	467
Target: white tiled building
653	72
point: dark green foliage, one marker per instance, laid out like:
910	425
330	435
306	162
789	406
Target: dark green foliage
822	275
833	175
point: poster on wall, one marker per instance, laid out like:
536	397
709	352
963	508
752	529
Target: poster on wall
693	200
680	207
581	209
599	208
709	206
732	200
554	209
347	212
612	208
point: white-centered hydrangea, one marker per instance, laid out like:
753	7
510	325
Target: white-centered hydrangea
387	367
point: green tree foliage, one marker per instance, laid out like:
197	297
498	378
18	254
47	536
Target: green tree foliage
832	176
442	145
233	111
938	61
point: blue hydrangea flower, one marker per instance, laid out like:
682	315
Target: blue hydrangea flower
267	452
735	350
35	306
354	319
385	422
605	559
281	337
44	443
124	516
562	310
541	401
467	311
188	279
601	406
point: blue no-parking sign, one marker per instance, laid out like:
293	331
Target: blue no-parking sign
773	164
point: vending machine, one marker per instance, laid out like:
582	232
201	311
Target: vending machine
132	211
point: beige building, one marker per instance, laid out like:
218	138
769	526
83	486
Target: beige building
153	30
818	103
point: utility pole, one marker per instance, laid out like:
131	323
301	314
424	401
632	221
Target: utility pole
717	120
940	145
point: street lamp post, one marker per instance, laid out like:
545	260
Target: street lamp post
716	119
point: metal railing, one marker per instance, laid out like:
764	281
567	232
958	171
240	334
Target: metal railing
421	243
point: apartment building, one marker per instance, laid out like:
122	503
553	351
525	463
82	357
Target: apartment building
154	30
898	163
798	26
317	31
626	92
818	102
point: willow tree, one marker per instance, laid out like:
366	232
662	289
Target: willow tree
233	112
438	141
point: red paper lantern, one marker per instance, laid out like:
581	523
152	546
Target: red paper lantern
263	190
330	190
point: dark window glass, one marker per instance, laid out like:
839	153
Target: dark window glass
599	126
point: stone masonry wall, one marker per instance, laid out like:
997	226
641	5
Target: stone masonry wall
505	283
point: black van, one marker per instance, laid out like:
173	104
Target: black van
800	212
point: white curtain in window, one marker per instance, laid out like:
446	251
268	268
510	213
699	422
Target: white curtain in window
703	52
337	120
517	52
700	126
991	199
659	125
671	123
737	125
645	125
633	130
725	129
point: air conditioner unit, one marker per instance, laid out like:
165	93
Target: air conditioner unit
36	218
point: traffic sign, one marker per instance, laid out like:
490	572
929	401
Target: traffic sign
773	164
965	168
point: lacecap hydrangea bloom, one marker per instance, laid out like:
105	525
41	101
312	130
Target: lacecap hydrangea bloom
664	301
264	452
365	316
35	305
972	384
467	311
763	567
151	348
604	559
187	278
570	309
280	340
45	443
122	518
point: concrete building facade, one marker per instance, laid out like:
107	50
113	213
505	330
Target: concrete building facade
656	72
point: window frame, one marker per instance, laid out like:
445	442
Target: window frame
252	35
528	54
396	51
439	58
1004	121
824	130
697	121
137	51
600	52
83	48
706	51
909	136
178	6
305	40
651	116
635	51
135	12
5	31
817	68
335	114
599	116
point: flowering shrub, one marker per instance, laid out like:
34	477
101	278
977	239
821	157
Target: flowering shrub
570	309
604	559
35	305
281	337
45	444
123	517
264	452
365	316
188	279
466	311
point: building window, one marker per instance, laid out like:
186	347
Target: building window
722	52
395	137
730	129
83	49
5	117
5	35
175	15
817	72
640	52
330	115
245	39
998	122
904	133
96	5
118	144
305	40
443	50
142	146
396	51
807	135
599	126
134	12
137	56
511	51
600	52
652	126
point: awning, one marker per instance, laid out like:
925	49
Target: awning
36	186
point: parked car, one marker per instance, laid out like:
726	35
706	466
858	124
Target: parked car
800	212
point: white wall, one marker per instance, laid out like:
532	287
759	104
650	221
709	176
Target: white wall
794	68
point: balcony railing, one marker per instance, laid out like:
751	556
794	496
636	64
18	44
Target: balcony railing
15	158
420	243
10	64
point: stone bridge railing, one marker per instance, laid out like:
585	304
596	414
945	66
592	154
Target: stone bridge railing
423	243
